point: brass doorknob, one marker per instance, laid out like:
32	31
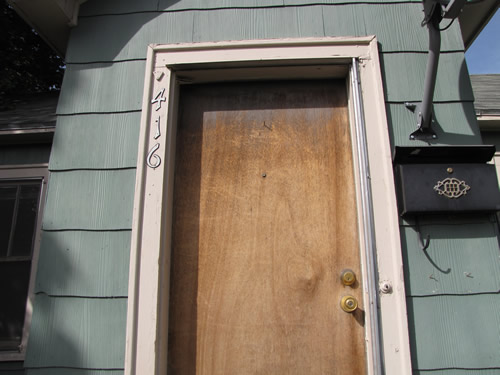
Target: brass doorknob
348	277
349	304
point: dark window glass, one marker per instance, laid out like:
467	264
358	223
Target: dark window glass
18	215
27	209
14	279
7	204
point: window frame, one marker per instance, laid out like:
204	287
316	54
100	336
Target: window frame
167	67
19	173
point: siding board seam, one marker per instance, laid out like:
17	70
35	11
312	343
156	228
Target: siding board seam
88	230
74	368
398	52
438	224
61	296
434	101
402	52
277	6
109	61
99	113
456	368
452	294
56	170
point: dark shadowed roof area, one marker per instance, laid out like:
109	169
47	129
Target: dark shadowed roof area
33	112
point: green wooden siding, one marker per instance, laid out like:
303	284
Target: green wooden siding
71	371
460	115
99	87
77	333
458	372
453	293
99	39
404	77
113	139
461	259
102	88
82	280
90	200
455	332
85	261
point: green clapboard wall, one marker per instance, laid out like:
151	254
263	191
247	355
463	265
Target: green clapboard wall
80	307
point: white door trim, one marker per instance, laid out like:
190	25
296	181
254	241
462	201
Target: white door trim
170	65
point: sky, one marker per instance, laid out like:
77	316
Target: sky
483	56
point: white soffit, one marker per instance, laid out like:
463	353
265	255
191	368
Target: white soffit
475	17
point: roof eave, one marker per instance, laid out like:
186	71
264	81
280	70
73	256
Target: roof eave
52	19
475	17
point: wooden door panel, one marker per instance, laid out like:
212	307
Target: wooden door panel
264	222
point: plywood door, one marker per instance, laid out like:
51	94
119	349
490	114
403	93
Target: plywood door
264	222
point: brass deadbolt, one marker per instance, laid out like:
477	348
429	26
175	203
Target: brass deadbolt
348	277
349	304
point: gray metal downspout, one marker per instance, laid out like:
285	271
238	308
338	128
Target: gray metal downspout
367	212
423	110
430	75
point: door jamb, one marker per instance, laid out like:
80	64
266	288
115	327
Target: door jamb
170	65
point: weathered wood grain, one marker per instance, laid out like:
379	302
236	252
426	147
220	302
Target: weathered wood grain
91	200
77	333
91	264
99	39
113	139
264	223
461	259
455	331
455	123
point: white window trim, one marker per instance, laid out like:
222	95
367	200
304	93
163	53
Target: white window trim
25	172
170	65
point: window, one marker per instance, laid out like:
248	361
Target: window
22	190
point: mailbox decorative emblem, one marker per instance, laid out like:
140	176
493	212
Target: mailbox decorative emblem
451	187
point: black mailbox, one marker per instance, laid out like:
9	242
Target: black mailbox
446	179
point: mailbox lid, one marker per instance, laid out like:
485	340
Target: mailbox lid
442	188
444	154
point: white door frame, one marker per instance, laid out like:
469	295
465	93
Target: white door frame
354	58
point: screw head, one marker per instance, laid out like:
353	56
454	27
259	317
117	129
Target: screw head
386	287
